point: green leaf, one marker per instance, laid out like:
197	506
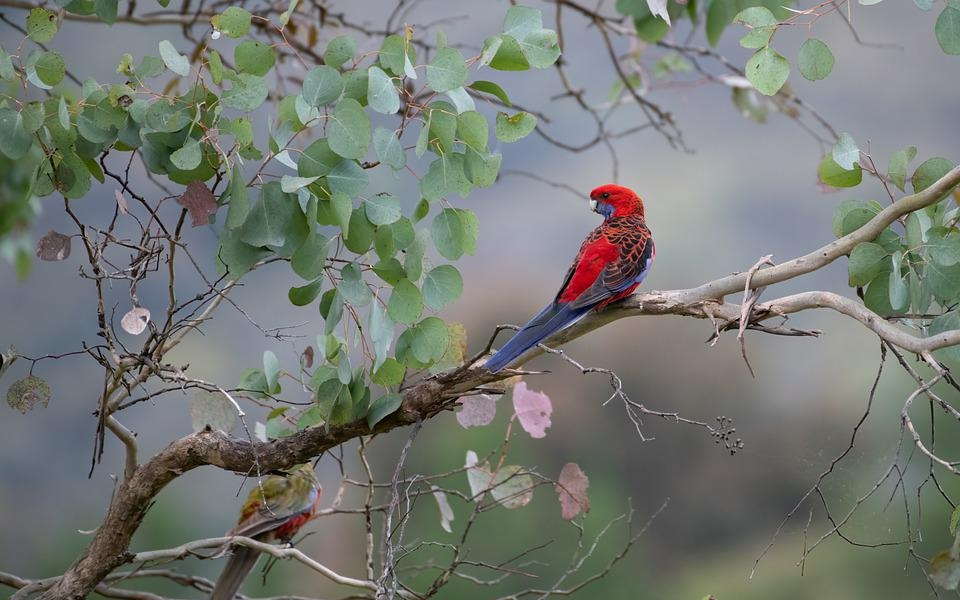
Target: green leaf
851	215
271	371
215	66
387	146
304	295
188	157
442	126
442	286
448	234
248	92
406	303
877	296
272	218
447	70
290	184
175	61
429	340
239	200
834	175
15	141
348	131
382	407
389	373
472	130
390	270
541	48
943	281
382	95
236	256
234	22
482	168
381	334
352	286
762	26
355	85
948	322
767	70
361	232
50	68
106	10
947	30
916	227
322	85
897	169
929	172
491	88
34	115
254	57
317	159
310	258
339	50
444	176
382	209
815	60
394	53
503	52
899	293
42	25
955	515
151	66
461	100
7	72
944	246
845	152
347	177
512	128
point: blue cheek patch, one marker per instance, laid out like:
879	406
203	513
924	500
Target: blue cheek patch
605	209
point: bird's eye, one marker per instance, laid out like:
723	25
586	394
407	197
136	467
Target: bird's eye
605	195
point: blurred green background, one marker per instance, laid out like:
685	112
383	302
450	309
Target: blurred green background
747	190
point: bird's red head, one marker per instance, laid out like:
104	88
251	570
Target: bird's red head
615	201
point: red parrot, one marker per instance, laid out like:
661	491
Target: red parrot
612	262
274	510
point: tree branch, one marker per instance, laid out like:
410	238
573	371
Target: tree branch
108	549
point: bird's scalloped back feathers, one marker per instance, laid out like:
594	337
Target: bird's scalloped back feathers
611	263
277	498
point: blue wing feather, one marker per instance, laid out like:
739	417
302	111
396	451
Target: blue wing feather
552	318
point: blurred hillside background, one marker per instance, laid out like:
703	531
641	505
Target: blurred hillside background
747	190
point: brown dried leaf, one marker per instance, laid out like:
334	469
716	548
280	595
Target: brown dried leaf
476	411
200	201
135	321
307	357
53	246
571	489
533	409
26	393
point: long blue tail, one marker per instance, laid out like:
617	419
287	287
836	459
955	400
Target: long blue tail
552	318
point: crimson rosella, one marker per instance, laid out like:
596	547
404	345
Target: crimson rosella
612	262
274	510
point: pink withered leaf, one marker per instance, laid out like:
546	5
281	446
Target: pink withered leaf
571	489
533	409
476	411
135	321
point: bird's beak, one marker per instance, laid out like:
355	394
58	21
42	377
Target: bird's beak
593	205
